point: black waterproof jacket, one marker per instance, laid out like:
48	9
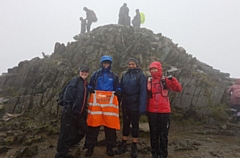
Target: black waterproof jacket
75	96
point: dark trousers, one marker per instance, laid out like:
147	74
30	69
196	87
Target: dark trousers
72	130
89	23
130	117
159	124
236	106
92	134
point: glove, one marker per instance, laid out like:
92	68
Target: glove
170	77
91	90
118	93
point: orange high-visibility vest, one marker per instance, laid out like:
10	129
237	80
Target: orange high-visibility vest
103	110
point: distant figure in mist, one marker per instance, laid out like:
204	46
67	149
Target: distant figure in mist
83	25
234	93
136	22
123	16
90	17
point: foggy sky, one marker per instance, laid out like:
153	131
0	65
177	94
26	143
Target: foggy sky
207	29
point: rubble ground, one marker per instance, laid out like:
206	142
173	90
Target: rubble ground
185	141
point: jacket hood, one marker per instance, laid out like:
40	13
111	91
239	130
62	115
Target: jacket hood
158	65
106	58
237	81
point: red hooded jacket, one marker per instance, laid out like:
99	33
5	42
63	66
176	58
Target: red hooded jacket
158	101
231	90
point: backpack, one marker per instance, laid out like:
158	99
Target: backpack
142	17
94	17
61	93
237	93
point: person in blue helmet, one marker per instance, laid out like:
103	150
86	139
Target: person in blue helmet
106	80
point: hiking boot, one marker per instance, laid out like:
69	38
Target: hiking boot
110	151
89	152
122	148
134	150
59	156
155	156
70	156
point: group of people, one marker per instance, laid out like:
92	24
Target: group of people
124	18
87	22
137	94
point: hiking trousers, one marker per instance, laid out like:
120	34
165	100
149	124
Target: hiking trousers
130	117
92	134
159	124
72	130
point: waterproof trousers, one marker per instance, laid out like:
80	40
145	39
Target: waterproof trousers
159	124
130	117
92	134
72	130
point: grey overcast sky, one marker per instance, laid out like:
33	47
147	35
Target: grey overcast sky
207	29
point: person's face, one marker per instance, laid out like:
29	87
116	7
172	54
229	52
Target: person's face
153	69
106	64
131	65
84	74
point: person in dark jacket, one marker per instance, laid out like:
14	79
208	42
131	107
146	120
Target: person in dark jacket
73	121
123	16
134	95
106	80
136	22
158	108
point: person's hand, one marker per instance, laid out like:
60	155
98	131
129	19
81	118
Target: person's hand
118	93
170	77
91	90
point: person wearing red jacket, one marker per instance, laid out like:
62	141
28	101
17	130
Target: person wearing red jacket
234	92
158	108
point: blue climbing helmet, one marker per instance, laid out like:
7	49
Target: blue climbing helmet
106	58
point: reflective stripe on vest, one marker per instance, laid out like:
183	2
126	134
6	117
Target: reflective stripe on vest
103	109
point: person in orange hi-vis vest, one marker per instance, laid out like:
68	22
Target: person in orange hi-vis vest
103	107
